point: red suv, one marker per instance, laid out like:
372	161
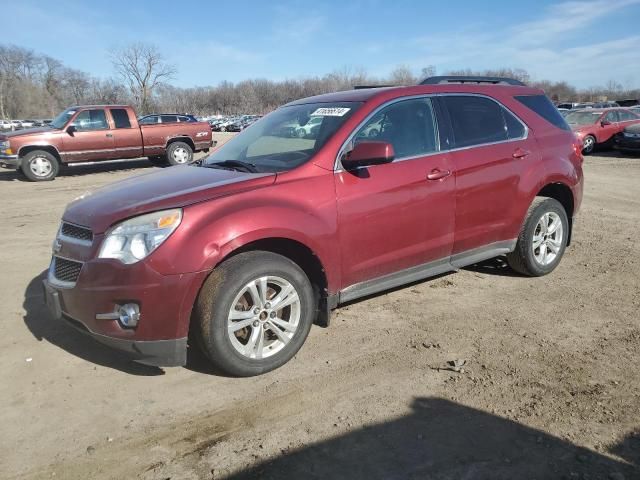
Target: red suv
272	231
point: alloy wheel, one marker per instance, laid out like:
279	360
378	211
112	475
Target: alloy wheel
547	238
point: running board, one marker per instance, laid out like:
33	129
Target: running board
421	272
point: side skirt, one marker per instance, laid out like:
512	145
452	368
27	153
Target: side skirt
421	272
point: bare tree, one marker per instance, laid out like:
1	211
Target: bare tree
143	69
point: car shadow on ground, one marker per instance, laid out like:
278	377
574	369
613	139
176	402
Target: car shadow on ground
44	327
494	266
441	440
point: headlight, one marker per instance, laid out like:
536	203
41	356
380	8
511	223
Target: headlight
4	144
134	239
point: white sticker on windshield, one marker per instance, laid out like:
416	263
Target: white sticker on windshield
330	112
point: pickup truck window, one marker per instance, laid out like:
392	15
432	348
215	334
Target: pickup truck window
168	118
284	139
150	120
62	119
91	120
120	118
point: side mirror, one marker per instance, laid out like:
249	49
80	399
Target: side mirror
71	129
367	153
604	123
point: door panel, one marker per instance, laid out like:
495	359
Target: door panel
487	181
92	140
392	217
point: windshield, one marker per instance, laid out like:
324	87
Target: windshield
582	118
286	138
62	119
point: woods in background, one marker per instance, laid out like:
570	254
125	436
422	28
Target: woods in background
34	85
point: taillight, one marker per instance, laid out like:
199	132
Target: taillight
577	148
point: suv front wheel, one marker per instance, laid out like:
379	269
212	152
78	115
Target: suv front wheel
254	312
542	240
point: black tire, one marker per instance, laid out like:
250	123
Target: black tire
30	169
159	161
588	144
523	259
173	150
214	303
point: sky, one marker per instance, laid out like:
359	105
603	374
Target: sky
586	43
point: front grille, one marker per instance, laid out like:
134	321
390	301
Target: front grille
75	231
66	270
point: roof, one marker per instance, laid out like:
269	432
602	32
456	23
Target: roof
77	107
367	94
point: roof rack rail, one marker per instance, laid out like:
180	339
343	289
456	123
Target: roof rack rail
470	79
361	87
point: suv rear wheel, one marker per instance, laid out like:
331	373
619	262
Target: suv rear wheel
542	239
40	166
254	312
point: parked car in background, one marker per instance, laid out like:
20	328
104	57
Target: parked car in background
166	118
16	123
605	105
597	127
99	132
245	251
6	125
27	123
629	139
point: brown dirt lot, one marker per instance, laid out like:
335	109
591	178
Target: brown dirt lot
551	388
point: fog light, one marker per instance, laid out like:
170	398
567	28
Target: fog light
128	315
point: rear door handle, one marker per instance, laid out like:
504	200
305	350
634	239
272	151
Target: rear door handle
437	174
520	153
110	135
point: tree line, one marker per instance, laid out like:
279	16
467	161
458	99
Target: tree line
39	86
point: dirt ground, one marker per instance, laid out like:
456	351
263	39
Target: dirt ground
550	388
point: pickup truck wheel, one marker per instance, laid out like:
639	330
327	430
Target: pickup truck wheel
40	166
254	312
179	153
542	240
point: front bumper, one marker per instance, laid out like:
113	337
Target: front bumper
165	302
9	161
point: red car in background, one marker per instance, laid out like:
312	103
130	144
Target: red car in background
597	126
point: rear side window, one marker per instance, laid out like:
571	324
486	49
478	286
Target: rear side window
624	116
149	120
120	118
168	119
475	120
541	105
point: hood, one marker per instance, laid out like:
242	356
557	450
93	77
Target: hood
167	188
27	131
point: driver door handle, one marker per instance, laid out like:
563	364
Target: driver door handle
520	153
110	135
437	174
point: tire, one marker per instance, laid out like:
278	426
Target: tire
226	290
158	161
300	133
541	260
179	153
40	166
588	144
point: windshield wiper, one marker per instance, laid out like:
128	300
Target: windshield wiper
238	165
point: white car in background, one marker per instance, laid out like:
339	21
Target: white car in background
27	123
16	123
6	125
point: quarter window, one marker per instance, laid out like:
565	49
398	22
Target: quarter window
91	120
476	120
120	118
408	125
625	116
150	120
515	129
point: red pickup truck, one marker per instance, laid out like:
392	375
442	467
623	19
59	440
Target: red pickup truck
99	132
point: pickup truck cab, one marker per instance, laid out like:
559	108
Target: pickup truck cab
95	133
246	250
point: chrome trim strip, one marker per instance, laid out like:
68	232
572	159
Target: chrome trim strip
426	270
337	167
